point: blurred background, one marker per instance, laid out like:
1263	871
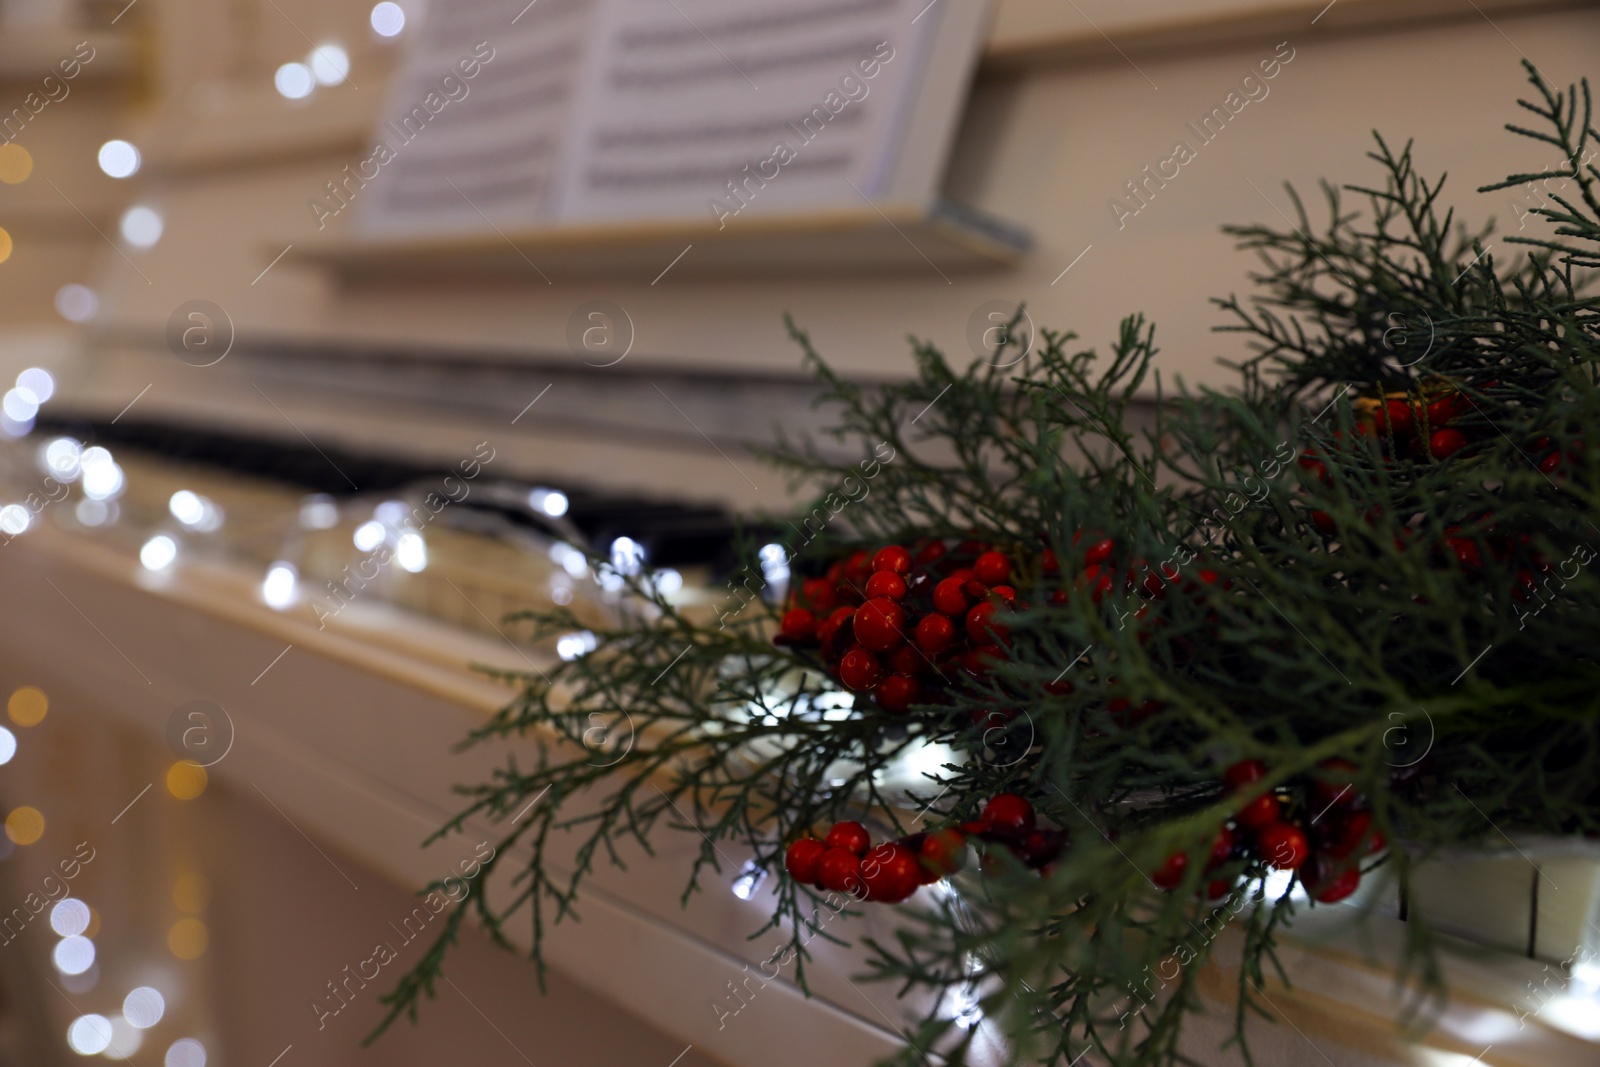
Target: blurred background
242	352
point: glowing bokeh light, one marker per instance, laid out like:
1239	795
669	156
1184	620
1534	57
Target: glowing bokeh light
73	955
388	19
186	779
294	81
89	1035
24	825
144	1007
119	159
70	917
28	706
158	553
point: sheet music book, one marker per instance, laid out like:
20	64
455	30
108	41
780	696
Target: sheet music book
592	111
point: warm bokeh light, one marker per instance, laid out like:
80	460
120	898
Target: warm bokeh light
25	825
5	246
15	164
190	893
186	779
28	706
187	939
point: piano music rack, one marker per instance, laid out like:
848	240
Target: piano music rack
945	238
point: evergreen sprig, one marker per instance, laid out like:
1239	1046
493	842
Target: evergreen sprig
1302	585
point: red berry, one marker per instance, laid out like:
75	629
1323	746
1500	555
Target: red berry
850	836
1097	580
1221	846
888	584
821	594
1009	815
1041	847
1340	887
828	628
1324	523
980	659
1446	443
897	693
1349	833
932	552
950	597
1244	773
801	859
1218	889
1334	784
991	568
1396	415
1283	846
880	624
892	558
943	852
908	660
1550	463
1260	812
891	872
935	634
962	574
857	568
1441	411
981	626
859	670
1170	873
1100	551
839	869
1048	562
798	624
1466	551
1316	468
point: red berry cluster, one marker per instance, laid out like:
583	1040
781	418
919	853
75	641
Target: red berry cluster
1009	822
895	624
1323	838
1428	426
1551	457
1418	426
908	625
846	862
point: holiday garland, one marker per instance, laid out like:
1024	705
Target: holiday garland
1302	634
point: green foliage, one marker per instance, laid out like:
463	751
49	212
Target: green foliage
1401	604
